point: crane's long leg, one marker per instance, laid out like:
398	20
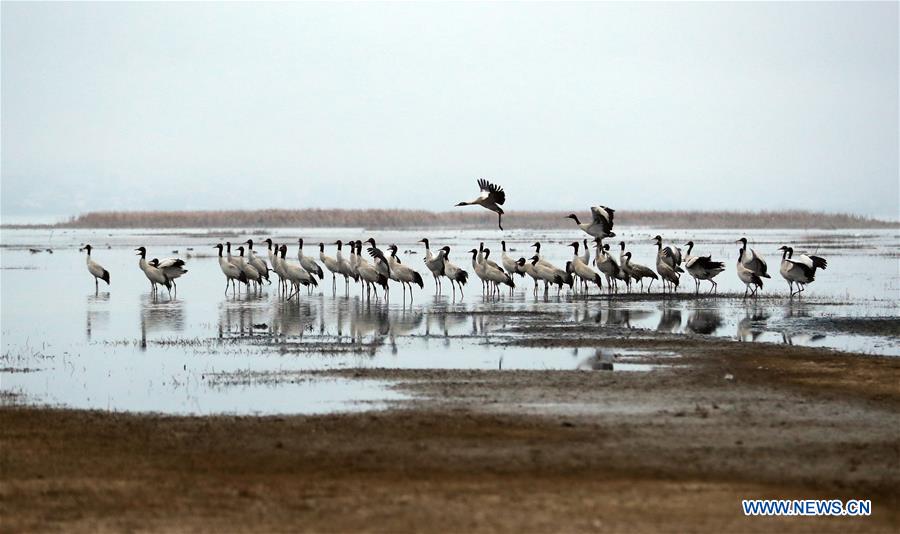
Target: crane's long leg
500	220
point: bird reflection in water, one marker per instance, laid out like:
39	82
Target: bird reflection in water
289	318
704	321
601	360
160	316
369	319
445	319
95	312
244	318
749	328
483	323
799	310
670	320
404	323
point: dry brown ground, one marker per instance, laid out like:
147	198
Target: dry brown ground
673	450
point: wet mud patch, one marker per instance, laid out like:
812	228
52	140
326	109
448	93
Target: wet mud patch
873	326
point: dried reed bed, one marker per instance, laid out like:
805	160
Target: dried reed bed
394	218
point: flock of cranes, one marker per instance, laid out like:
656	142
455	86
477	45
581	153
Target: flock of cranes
373	268
578	273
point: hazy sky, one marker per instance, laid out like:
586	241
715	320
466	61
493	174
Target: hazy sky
664	106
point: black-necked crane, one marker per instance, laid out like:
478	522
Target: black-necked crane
331	264
702	268
354	264
548	274
172	267
582	270
638	272
479	267
96	270
752	268
668	264
607	265
751	260
491	197
620	274
273	250
153	274
308	263
403	274
454	273
283	281
258	263
368	273
296	274
435	264
561	273
234	261
748	276
509	264
496	275
380	261
601	223
343	266
483	258
669	255
800	270
383	266
253	275
230	270
667	275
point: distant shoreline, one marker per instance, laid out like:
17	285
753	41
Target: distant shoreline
400	219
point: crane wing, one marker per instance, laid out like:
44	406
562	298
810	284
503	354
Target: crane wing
171	262
603	215
495	192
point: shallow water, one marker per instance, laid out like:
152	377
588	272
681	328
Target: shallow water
204	352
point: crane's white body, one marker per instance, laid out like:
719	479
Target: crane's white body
509	264
453	272
608	266
403	274
256	262
434	264
800	269
96	270
249	270
749	277
296	274
156	276
309	263
584	271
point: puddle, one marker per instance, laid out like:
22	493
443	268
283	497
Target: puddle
121	349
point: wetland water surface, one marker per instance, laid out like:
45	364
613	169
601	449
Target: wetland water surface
204	352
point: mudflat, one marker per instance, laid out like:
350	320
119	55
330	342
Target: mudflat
672	449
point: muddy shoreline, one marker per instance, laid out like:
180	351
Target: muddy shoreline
493	451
